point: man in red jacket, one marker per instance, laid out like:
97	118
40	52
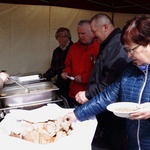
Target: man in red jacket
80	61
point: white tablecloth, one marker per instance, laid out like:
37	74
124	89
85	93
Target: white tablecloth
80	138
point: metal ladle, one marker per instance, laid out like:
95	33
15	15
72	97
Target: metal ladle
27	90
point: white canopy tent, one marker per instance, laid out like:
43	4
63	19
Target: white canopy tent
27	34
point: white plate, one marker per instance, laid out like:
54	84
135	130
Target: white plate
123	109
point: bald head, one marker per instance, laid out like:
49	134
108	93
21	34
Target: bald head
101	26
101	19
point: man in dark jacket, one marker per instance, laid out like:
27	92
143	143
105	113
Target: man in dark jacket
63	36
111	61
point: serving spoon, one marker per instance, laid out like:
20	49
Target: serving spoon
27	90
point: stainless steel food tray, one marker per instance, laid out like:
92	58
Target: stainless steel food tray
39	92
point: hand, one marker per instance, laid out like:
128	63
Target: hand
4	76
70	118
64	75
80	97
142	113
78	78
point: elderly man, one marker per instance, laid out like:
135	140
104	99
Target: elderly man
63	36
80	60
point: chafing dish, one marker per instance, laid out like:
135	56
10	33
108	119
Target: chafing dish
15	96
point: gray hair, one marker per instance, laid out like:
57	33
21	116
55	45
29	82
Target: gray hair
81	22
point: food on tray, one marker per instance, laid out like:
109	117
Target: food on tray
42	132
23	92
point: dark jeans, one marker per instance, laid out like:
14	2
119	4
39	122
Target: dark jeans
112	130
116	139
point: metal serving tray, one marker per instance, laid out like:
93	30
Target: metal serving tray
39	92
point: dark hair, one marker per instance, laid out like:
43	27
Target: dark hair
137	30
63	29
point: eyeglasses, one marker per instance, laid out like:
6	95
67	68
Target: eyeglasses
131	50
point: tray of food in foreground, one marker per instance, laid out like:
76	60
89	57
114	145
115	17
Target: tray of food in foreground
41	123
123	109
